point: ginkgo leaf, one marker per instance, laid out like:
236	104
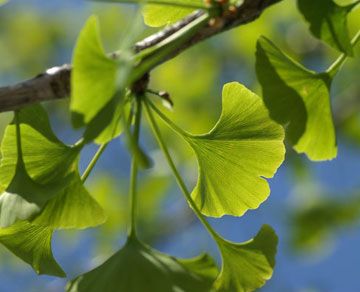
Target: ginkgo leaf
48	184
24	198
32	244
106	125
45	157
298	98
90	94
156	15
234	157
328	21
247	266
74	208
137	267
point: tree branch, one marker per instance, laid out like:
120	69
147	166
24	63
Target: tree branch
55	82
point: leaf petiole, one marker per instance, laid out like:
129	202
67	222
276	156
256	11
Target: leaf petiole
149	107
170	123
334	67
93	161
134	172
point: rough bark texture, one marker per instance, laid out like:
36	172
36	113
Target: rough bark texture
55	82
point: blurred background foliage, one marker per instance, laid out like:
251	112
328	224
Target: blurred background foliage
315	208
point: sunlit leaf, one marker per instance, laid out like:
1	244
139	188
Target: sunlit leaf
234	157
163	12
45	157
106	125
137	267
328	21
159	15
299	99
48	184
74	208
22	196
90	93
32	244
247	266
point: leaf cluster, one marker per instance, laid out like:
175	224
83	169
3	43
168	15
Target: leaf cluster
43	191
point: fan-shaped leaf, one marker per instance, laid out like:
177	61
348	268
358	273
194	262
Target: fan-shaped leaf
74	208
89	93
24	198
48	184
45	157
244	146
137	267
32	244
298	98
247	266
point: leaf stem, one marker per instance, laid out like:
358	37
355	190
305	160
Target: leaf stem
134	172
93	162
20	160
334	67
169	122
176	173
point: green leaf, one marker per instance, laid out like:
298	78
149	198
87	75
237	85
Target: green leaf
234	157
106	125
74	208
157	15
33	245
45	157
24	198
247	266
163	12
90	93
137	267
41	156
328	22
48	183
299	99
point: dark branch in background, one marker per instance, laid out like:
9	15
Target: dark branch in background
55	82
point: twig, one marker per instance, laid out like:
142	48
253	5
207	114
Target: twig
55	82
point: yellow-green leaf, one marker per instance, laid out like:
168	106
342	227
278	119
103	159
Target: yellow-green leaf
299	99
48	184
159	15
90	93
31	177
236	156
74	208
247	266
163	12
32	244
